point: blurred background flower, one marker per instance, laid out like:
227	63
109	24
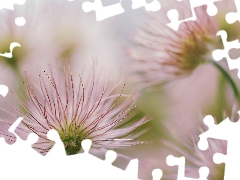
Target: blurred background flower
162	54
178	63
178	68
55	29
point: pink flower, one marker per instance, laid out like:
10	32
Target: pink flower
56	29
161	54
32	36
87	107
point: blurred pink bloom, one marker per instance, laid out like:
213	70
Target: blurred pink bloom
161	54
32	36
77	35
87	107
55	29
183	142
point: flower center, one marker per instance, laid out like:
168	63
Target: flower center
72	140
194	49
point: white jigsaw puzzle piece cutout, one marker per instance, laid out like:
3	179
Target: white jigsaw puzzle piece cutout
232	17
229	131
57	154
3	90
153	6
9	4
173	14
20	21
219	158
180	162
12	46
20	157
157	174
58	148
103	12
219	54
15	158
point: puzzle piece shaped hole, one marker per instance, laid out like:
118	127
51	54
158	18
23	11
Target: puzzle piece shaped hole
9	4
12	46
101	11
3	90
20	21
174	14
110	156
86	145
232	17
219	158
157	174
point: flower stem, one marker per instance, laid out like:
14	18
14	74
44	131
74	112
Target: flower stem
229	79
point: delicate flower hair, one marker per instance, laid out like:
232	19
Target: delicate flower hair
161	54
87	107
